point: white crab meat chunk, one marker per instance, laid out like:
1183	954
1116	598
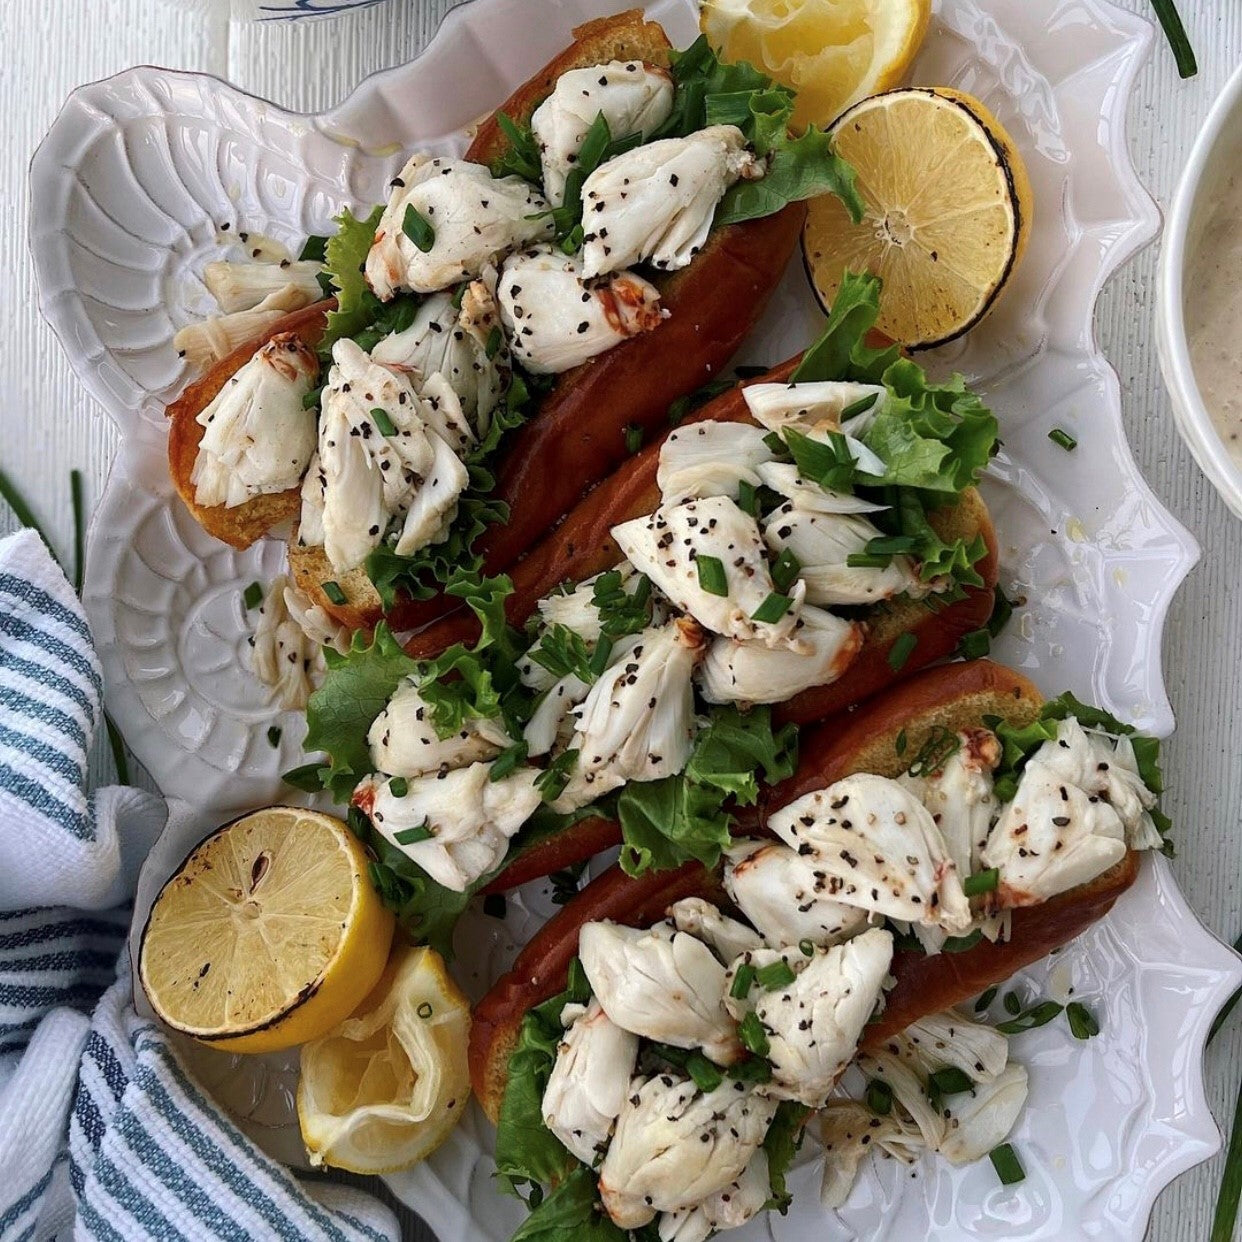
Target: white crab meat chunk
1052	837
555	320
726	936
365	477
848	1131
404	740
1105	769
286	647
464	344
710	458
243	286
948	1039
815	410
552	721
655	204
206	341
666	545
590	1080
823	544
981	1120
880	850
823	646
455	825
807	497
258	438
960	797
676	1146
633	98
814	1023
781	893
637	721
740	1201
662	984
470	217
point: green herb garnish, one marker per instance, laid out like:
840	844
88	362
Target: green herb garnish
252	596
772	609
383	422
1007	1165
418	228
712	576
981	882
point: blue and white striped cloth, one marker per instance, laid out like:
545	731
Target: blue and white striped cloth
103	1133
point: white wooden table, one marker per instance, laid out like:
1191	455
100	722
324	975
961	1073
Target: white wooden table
48	427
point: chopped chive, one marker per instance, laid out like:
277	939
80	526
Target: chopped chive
571	243
772	609
495	906
1175	32
1037	1015
868	560
315	248
601	655
752	1069
879	1097
418	229
785	570
252	596
901	743
425	1010
712	575
861	406
307	778
950	1081
494	341
1063	438
79	529
743	980
1081	1021
754	1038
1011	1003
383	422
901	651
412	836
312	398
398	786
1007	1165
747	498
981	882
273	736
975	645
986	999
633	437
706	1076
506	763
775	444
334	593
892	545
807	948
775	975
960	944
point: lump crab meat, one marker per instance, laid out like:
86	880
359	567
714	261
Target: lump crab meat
710	459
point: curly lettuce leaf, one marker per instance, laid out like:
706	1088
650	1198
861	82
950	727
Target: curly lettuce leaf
841	352
688	817
355	691
572	1213
345	256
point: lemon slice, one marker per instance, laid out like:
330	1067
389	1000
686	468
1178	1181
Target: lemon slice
383	1090
948	212
832	52
270	933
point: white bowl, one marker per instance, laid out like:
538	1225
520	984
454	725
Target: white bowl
1216	153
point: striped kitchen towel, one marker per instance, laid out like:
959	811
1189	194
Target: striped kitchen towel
104	1134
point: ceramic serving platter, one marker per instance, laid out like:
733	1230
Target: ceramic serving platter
131	193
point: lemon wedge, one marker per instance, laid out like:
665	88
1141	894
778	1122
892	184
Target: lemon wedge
268	935
948	212
383	1090
832	52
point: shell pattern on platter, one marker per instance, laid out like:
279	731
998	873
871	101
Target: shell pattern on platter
131	191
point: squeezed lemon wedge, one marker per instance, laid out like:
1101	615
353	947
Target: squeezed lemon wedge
385	1088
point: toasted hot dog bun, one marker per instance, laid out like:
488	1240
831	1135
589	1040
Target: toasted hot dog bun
242	524
953	696
578	434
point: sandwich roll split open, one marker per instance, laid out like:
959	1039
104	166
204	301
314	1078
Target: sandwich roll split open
951	697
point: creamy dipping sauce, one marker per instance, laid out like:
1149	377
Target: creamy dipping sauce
1213	303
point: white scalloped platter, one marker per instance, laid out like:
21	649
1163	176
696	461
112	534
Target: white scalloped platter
130	193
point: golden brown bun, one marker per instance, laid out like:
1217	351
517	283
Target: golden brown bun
241	525
954	697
